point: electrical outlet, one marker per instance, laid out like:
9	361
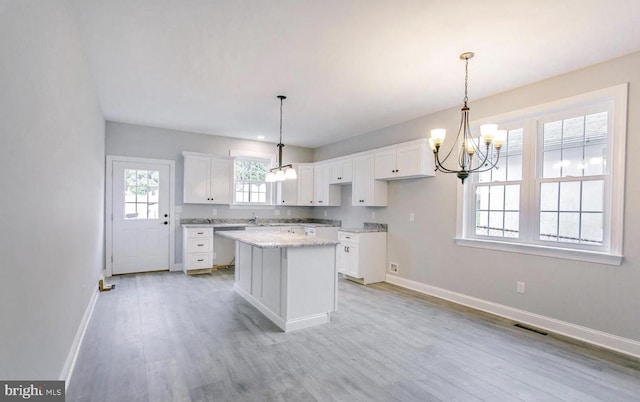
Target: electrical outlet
276	212
520	287
412	217
393	267
214	212
288	212
325	214
373	215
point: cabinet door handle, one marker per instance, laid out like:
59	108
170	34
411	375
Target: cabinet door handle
165	223
200	245
200	232
200	260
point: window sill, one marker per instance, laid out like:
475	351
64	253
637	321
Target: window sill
554	252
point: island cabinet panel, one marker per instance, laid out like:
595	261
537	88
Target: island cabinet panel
307	267
295	287
270	275
243	266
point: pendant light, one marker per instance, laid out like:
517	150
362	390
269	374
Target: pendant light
490	137
281	172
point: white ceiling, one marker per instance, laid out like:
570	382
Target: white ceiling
347	66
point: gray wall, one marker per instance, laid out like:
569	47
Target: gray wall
600	297
52	187
150	142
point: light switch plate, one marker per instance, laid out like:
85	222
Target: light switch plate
412	217
214	212
276	212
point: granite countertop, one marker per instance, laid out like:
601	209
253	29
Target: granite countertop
275	239
226	223
367	228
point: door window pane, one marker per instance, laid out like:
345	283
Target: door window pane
141	194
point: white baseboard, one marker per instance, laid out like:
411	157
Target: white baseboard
69	364
616	343
176	267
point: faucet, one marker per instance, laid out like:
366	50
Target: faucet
254	219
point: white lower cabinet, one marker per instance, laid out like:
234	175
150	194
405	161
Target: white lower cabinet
362	256
197	249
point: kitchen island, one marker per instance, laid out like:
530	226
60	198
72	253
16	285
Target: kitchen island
291	278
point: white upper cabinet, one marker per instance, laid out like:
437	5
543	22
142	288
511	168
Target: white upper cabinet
324	193
406	160
305	184
366	190
207	179
287	192
299	191
341	171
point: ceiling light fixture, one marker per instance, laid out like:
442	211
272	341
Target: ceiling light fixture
490	137
281	172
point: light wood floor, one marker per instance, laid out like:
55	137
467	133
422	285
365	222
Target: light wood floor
171	337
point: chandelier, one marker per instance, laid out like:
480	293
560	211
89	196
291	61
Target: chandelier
281	172
485	148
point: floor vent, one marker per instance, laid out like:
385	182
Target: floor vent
537	331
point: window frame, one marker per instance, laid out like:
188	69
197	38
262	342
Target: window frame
531	120
269	186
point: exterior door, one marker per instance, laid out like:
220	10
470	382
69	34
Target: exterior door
140	197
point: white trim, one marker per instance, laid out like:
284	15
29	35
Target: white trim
609	341
109	207
176	267
570	102
534	249
611	252
72	356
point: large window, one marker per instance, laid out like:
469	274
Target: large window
558	188
249	185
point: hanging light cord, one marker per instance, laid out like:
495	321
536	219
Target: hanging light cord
281	101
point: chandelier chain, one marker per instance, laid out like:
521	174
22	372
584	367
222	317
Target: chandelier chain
281	101
466	81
